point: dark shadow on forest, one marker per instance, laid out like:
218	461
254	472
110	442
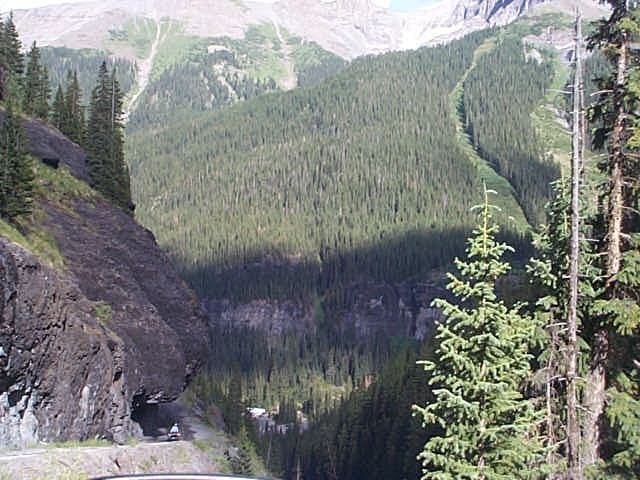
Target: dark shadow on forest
410	257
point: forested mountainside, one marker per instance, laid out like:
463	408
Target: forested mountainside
367	174
61	60
315	215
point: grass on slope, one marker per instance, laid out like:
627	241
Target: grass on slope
56	186
259	53
553	132
140	33
34	239
175	47
505	199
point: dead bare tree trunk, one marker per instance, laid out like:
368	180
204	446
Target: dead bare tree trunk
574	463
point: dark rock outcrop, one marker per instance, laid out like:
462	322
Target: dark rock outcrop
52	147
60	368
47	143
274	318
83	346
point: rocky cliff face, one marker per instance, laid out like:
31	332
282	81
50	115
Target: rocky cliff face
85	346
492	11
392	310
62	370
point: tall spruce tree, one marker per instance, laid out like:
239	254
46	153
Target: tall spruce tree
72	115
58	109
122	185
488	428
32	81
16	171
105	140
11	48
11	61
98	129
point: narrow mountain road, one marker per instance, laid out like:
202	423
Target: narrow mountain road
202	452
191	421
291	80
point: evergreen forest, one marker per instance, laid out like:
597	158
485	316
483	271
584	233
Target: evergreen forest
362	176
61	60
386	170
504	388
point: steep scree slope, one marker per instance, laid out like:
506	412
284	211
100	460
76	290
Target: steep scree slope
84	345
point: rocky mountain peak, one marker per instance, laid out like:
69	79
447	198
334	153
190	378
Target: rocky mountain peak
349	28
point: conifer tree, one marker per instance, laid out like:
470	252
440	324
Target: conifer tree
105	140
32	81
235	407
72	116
16	172
98	129
243	464
11	61
550	271
44	96
58	109
488	428
122	186
11	48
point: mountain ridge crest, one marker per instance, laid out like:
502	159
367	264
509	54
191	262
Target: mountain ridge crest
348	28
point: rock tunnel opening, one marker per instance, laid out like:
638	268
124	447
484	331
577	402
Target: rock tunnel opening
154	418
